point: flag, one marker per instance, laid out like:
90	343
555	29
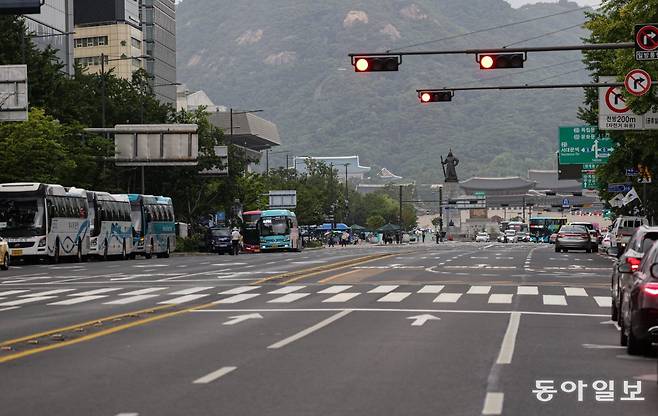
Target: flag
630	197
616	201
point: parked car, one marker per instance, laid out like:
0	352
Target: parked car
640	243
218	240
5	258
482	237
593	233
639	305
624	227
573	237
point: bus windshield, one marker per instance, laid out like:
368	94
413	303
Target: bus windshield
136	218
22	217
274	226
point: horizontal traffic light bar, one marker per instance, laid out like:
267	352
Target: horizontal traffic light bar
500	60
582	47
526	87
435	96
376	63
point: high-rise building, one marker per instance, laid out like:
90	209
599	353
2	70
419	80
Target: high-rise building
109	29
158	18
53	27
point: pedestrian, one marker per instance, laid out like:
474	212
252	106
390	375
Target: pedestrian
235	241
397	238
423	236
437	236
344	239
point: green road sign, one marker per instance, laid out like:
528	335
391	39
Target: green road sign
479	193
583	145
589	181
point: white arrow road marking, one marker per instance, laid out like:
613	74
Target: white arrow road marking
241	318
419	320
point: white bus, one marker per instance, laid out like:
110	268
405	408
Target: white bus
44	221
154	225
110	226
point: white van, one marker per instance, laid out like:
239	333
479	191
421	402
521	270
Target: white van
623	229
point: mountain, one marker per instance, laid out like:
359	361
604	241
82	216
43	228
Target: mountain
289	58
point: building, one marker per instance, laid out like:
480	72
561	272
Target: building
192	100
158	22
340	163
109	29
54	27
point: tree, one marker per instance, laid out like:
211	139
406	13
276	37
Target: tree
375	221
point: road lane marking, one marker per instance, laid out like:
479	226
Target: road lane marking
500	298
11	308
291	297
527	290
447	298
554	300
130	299
394	297
603	301
493	404
209	378
143	291
575	291
602	347
26	300
182	299
191	290
13	292
239	290
431	289
127	414
97	291
479	290
78	299
384	289
509	340
237	298
334	277
309	330
341	297
285	290
48	293
335	289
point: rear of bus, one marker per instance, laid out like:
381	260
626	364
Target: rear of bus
250	235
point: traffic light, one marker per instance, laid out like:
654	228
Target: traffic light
501	60
434	96
375	63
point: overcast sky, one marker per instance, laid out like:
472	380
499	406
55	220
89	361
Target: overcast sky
517	3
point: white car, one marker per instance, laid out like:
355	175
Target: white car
511	236
606	242
482	238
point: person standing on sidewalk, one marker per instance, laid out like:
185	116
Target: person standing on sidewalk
235	242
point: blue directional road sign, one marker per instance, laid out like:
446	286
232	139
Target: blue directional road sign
619	187
631	172
565	203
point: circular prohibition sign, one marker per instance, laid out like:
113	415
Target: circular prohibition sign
637	82
615	101
646	38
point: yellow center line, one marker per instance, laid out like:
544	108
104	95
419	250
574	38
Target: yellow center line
337	267
329	279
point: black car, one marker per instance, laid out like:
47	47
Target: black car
219	240
642	240
639	305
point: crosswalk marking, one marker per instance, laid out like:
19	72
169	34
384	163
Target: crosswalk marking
383	289
13	292
575	291
431	289
130	299
239	290
500	298
11	308
48	293
143	291
479	290
26	300
527	290
341	297
394	297
447	298
237	298
191	290
335	289
291	297
603	301
182	299
555	300
97	291
77	299
286	289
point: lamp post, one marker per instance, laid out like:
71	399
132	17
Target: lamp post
347	194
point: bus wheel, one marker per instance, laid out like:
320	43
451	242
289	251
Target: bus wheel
5	262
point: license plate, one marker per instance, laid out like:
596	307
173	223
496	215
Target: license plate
17	252
275	245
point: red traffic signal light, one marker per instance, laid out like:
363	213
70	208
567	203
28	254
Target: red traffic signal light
501	60
434	96
375	63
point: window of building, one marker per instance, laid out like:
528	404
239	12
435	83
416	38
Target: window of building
136	43
91	41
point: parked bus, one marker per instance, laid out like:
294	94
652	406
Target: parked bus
250	236
278	229
518	226
154	226
110	226
541	228
44	221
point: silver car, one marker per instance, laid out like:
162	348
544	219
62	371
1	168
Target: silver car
573	237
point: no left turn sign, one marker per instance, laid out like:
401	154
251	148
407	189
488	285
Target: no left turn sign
637	82
615	101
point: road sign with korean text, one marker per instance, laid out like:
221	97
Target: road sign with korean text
646	42
583	145
615	114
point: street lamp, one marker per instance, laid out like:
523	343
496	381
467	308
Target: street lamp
347	195
440	187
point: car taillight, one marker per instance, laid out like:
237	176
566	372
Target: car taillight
560	235
635	263
650	289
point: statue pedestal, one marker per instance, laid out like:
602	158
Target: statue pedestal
451	190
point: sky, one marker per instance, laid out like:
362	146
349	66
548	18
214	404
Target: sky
517	3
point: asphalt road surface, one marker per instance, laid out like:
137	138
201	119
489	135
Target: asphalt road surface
450	329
